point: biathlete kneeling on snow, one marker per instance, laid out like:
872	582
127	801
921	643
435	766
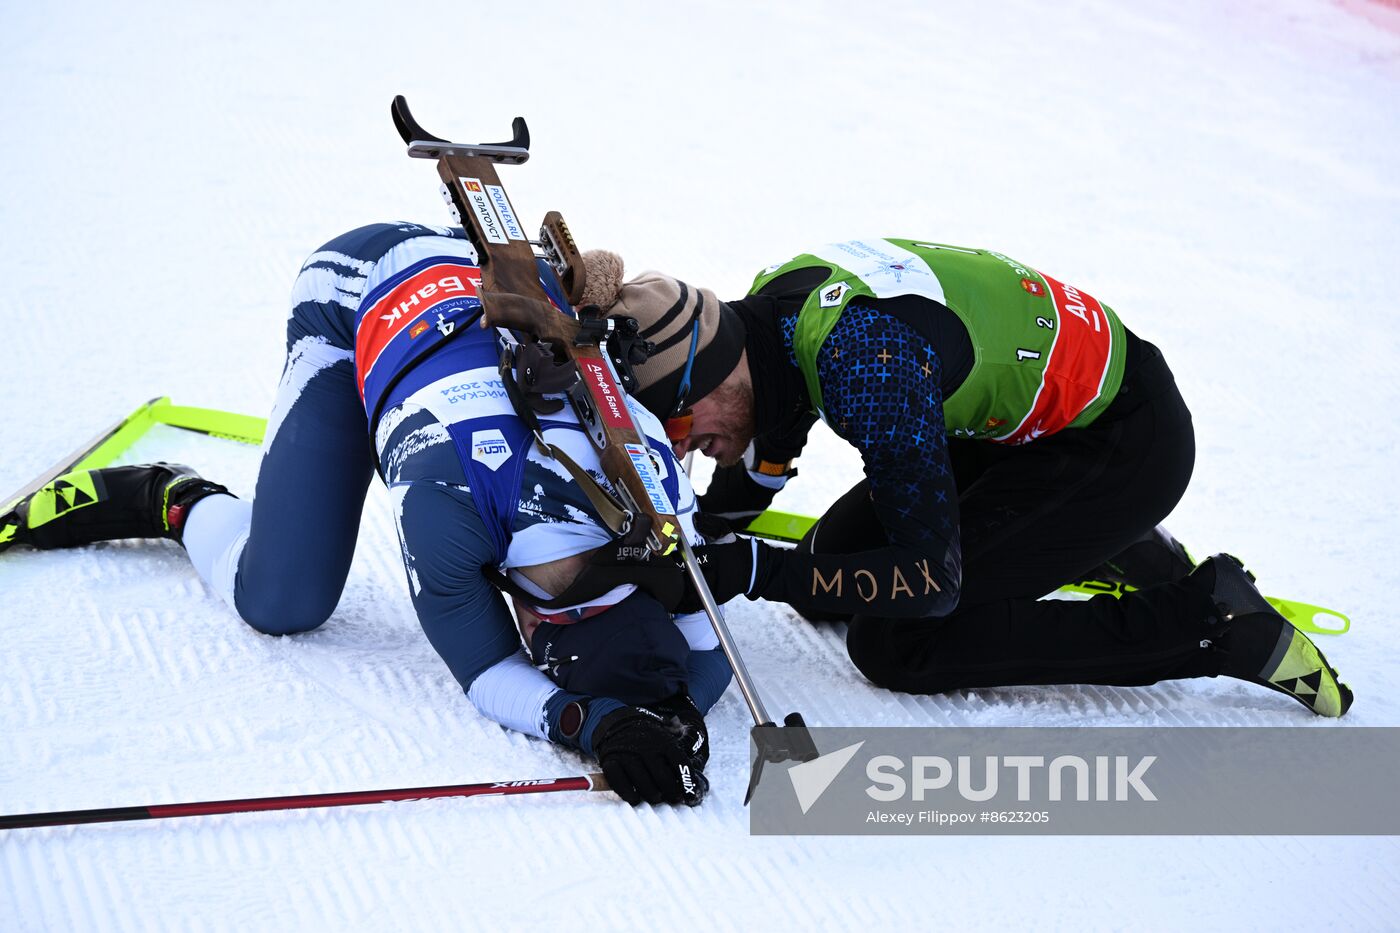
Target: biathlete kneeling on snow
388	370
1015	437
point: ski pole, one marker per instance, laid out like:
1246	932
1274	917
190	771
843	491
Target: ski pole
788	742
726	641
590	782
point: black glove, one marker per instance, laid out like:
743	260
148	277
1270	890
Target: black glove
715	529
689	724
610	566
646	757
728	566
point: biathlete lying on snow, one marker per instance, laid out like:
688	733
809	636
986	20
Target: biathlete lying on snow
1015	437
387	370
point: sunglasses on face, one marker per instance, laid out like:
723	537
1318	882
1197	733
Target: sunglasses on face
678	422
678	425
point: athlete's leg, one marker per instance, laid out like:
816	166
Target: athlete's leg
1037	516
281	560
310	494
1015	641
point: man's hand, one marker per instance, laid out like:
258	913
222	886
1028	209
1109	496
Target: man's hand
612	565
688	723
618	562
727	561
646	756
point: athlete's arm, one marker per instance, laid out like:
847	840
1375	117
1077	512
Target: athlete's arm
880	389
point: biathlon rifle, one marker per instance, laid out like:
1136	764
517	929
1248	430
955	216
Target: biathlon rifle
589	357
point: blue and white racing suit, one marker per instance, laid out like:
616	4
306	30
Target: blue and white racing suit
386	365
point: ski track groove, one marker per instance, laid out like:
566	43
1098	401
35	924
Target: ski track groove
14	877
90	891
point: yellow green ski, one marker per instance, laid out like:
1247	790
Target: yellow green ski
111	442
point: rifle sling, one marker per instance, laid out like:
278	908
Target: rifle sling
614	515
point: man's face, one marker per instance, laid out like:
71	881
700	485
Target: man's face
722	424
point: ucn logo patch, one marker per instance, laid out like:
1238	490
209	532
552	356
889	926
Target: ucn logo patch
490	448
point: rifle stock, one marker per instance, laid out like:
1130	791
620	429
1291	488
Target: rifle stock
513	298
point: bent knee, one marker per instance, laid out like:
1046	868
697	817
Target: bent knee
296	613
893	653
865	643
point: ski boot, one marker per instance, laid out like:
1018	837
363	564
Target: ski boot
1262	646
84	506
1155	558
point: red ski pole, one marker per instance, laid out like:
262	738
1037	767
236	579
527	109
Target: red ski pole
592	782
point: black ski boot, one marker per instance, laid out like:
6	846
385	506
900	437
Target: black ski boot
1155	558
148	501
1262	647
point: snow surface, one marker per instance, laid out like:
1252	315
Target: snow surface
1225	174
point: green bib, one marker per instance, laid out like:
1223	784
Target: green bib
1046	356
